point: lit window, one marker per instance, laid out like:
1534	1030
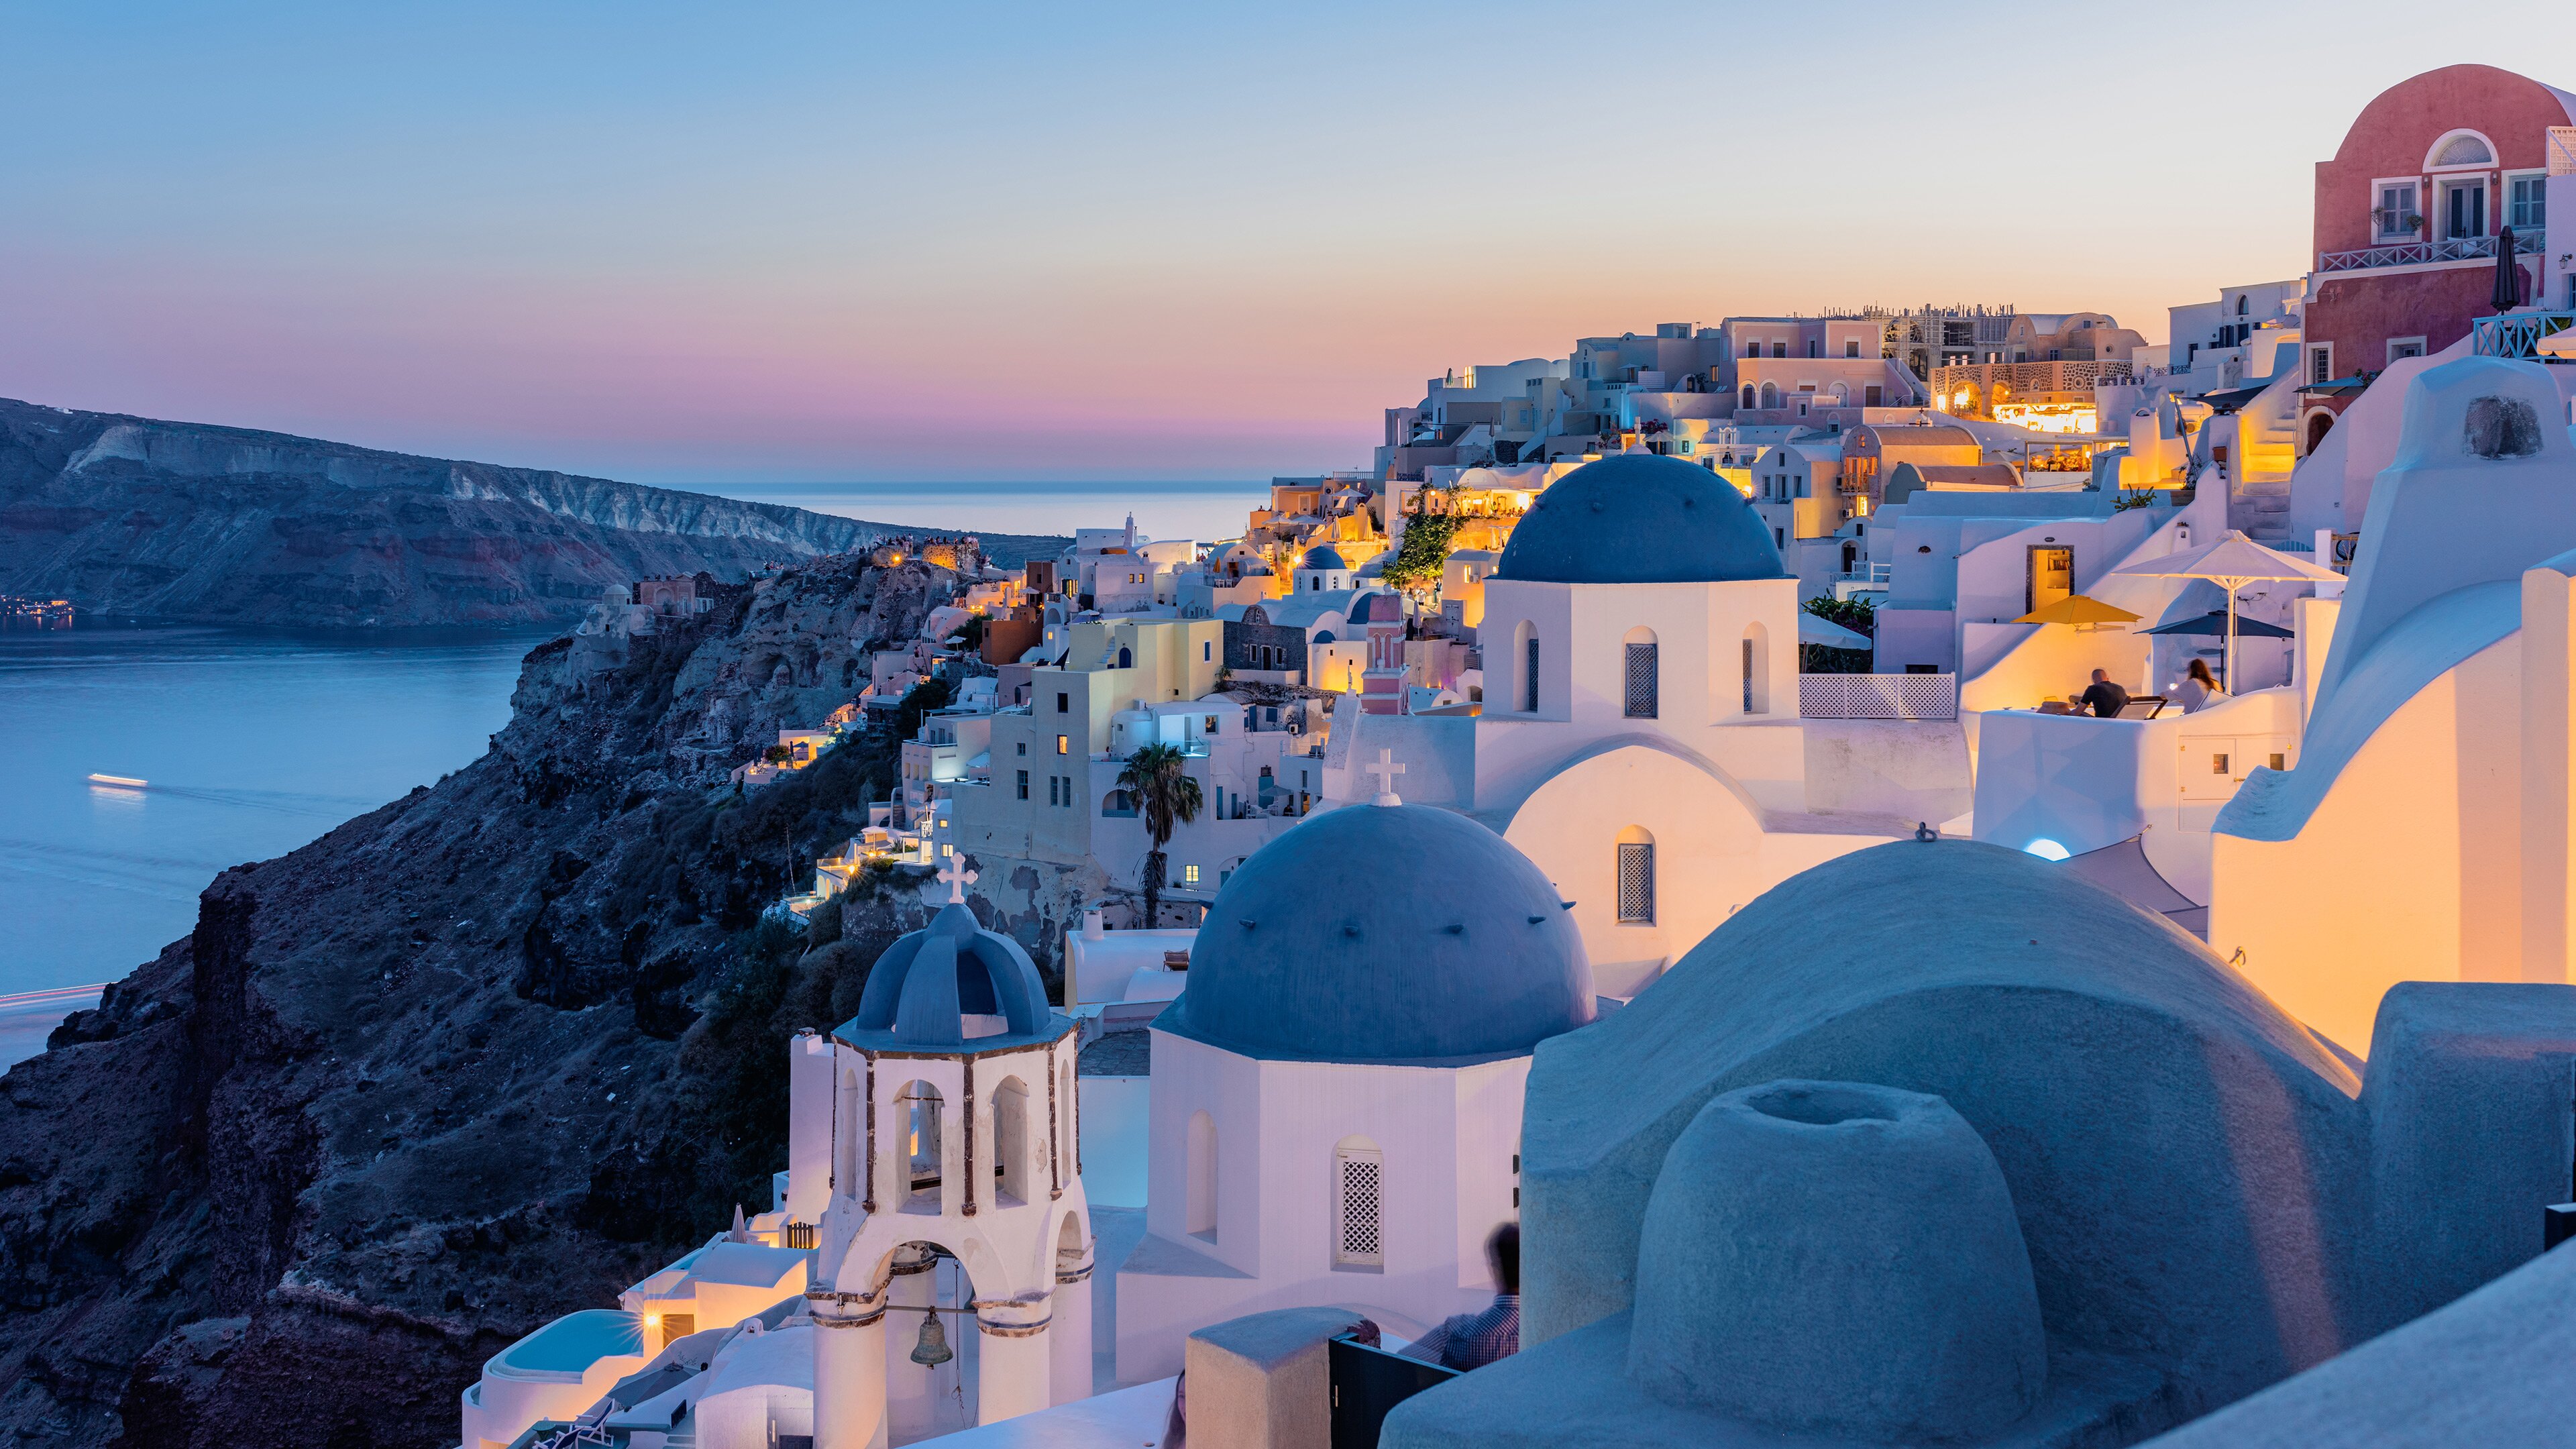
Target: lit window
1189	875
1063	744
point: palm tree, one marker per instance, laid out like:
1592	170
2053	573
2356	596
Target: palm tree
1158	778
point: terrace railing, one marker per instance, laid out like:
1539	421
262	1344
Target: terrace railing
2516	334
2424	253
1878	696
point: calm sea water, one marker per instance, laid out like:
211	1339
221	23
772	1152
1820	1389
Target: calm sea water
252	743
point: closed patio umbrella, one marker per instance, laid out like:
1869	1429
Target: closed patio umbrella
2231	563
2508	274
2082	611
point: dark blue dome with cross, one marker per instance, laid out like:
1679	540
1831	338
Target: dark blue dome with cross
1384	933
1640	518
952	985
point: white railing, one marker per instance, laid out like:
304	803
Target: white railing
2422	253
1878	696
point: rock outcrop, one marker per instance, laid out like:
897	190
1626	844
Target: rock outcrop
482	1057
185	521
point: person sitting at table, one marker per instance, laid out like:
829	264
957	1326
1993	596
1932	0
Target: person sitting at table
2198	691
1473	1340
2105	699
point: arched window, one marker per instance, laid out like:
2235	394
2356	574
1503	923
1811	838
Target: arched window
1359	1206
1842	394
1748	396
2460	148
1118	804
1198	1216
1011	1140
1644	675
1636	866
1126	659
1770	394
1757	669
917	1113
2240	306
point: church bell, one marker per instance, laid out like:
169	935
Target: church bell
933	1349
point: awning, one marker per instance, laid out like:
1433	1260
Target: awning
2234	398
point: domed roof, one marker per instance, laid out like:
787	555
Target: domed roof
923	988
1322	556
1385	933
1639	518
1377	607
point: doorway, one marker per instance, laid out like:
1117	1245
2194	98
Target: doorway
2051	577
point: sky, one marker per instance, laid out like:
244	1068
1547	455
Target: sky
794	243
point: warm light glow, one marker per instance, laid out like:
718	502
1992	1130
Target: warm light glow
652	1320
2048	417
125	781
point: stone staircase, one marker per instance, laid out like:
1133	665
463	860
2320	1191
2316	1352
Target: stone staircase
2258	491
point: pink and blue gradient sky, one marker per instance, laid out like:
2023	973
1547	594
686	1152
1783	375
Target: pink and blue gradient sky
682	243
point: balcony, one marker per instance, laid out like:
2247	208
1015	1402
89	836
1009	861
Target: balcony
2516	334
1878	696
2427	253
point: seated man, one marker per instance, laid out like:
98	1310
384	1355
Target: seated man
1473	1340
2105	699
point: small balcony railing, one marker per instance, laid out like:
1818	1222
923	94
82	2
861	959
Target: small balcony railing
2425	253
1878	696
2516	334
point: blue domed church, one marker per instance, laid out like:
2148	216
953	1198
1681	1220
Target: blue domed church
1641	725
1336	1099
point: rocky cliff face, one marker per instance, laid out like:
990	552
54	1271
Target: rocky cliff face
185	521
482	1057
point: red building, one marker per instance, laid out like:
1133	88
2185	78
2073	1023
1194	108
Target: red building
2408	211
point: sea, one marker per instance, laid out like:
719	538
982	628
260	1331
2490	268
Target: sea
137	761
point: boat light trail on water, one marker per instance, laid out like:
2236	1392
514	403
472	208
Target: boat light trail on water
246	799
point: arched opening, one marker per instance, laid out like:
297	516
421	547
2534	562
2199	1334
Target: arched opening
918	1108
1119	804
1644	676
1770	394
2240	306
1748	396
1757	669
1011	1174
2319	424
1126	657
1359	1206
1069	1246
1525	660
845	1150
1198	1207
1636	869
1842	394
1068	1160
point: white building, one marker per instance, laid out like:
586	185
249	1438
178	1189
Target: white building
1336	1097
1642	714
939	1125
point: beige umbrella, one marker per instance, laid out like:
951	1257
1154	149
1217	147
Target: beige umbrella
2231	563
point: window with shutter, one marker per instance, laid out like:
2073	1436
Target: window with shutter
1642	677
1636	885
1358	1240
1529	678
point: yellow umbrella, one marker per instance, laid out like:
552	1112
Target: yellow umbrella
2081	611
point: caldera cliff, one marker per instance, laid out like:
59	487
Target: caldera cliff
136	517
477	1059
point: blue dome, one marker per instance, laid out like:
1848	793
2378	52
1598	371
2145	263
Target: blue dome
923	988
1384	934
1639	518
1322	556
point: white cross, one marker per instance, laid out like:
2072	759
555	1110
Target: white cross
953	870
1386	769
